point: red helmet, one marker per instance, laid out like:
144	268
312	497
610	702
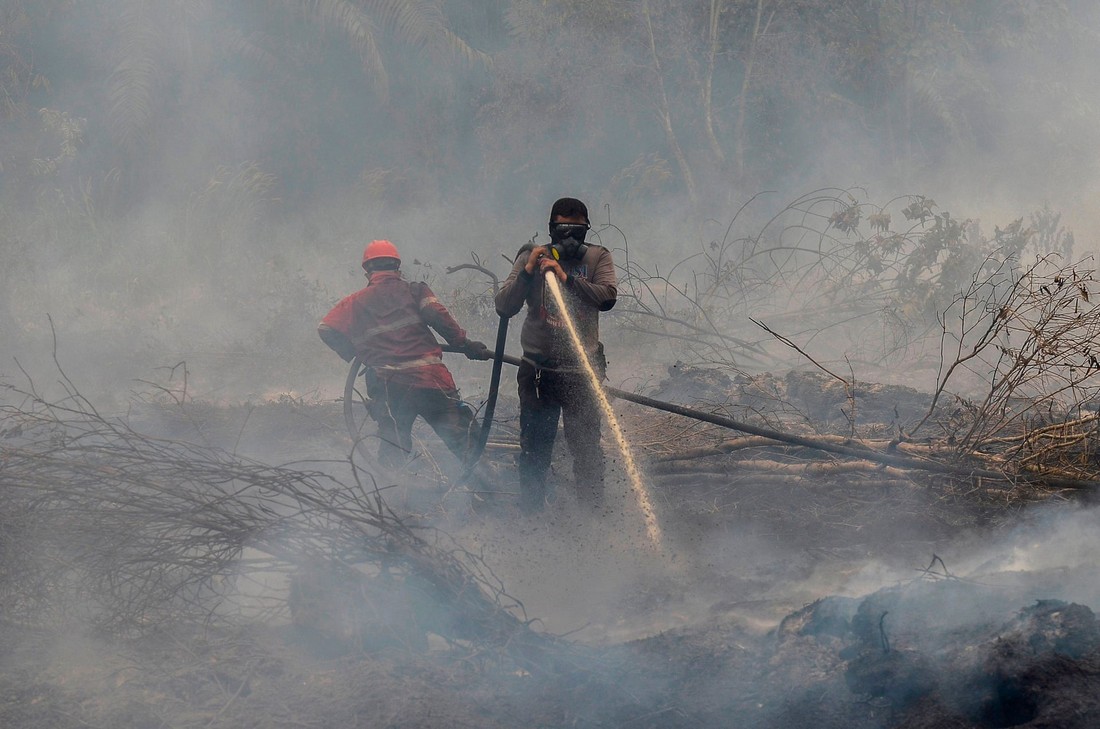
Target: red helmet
380	249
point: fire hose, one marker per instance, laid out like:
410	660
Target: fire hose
499	358
722	421
846	449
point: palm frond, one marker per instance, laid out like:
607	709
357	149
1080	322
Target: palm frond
252	47
932	97
348	20
132	83
423	25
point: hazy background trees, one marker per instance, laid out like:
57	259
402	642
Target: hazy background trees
207	170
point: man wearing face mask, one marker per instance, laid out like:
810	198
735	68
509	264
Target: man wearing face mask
551	378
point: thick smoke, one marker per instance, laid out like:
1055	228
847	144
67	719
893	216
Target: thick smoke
165	163
186	187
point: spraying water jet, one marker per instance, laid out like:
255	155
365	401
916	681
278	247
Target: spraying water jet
637	487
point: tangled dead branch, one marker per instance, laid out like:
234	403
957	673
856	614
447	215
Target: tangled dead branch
1028	334
829	263
132	532
1034	333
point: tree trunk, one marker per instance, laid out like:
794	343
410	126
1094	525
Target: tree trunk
664	112
746	80
708	81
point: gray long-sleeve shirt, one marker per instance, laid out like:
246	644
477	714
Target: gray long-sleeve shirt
592	287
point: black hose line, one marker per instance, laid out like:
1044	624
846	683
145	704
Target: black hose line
853	450
474	456
499	358
349	403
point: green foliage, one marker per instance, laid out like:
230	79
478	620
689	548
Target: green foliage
746	92
69	133
18	75
1050	235
924	268
646	177
874	280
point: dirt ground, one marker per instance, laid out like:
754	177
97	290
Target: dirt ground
768	603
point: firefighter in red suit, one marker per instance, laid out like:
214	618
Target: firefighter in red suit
388	324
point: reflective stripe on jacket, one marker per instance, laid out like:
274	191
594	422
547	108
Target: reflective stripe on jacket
388	324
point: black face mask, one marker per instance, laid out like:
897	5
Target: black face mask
568	238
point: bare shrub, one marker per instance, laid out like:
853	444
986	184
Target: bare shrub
131	532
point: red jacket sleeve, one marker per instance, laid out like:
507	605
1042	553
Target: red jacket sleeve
336	325
438	318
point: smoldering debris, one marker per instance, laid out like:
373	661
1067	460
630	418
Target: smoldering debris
889	659
126	550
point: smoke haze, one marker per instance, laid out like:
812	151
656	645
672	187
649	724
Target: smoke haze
168	165
186	187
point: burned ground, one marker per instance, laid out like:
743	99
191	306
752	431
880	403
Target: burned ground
782	596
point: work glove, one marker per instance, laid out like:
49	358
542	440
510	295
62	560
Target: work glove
477	350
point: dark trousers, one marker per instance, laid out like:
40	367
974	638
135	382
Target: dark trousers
395	408
544	395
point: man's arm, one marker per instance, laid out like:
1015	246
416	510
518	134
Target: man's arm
438	318
513	292
337	341
335	326
601	289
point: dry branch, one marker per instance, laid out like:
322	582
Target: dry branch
766	466
133	532
733	445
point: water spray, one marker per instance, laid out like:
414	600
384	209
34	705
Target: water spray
637	487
